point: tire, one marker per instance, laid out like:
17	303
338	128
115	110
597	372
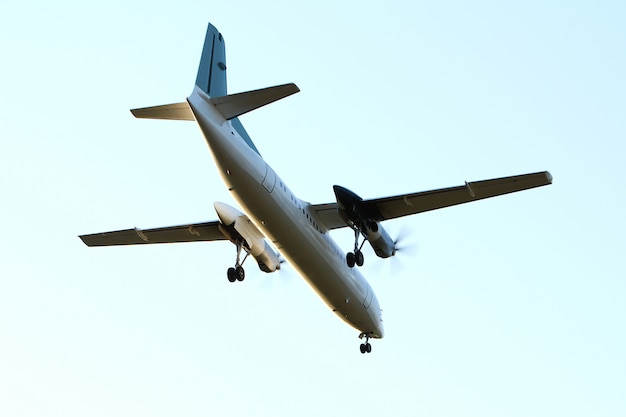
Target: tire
240	274
359	258
350	259
231	274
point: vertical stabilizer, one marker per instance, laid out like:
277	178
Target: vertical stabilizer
212	74
212	71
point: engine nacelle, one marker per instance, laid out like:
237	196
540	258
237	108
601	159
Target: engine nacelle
379	239
238	228
358	217
268	260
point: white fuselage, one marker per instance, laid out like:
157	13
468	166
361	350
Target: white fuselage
287	221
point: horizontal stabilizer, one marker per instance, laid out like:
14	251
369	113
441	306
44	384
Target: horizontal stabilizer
235	105
176	111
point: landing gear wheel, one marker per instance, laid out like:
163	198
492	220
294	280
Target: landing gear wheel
240	273
359	258
365	347
231	274
356	257
350	259
237	273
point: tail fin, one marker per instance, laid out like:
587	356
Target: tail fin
211	79
211	76
212	71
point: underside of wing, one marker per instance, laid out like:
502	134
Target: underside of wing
403	205
186	233
329	216
386	208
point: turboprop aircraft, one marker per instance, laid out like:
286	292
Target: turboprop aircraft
271	212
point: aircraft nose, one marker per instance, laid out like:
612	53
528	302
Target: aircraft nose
380	331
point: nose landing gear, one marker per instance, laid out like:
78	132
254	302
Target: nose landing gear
365	347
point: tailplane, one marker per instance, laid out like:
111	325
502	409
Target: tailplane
211	79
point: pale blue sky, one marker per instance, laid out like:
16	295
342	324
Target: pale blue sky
507	307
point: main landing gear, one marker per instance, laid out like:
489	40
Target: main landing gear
237	273
356	257
365	347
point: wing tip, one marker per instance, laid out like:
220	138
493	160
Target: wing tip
85	239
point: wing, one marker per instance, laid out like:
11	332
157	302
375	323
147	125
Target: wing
403	205
329	216
187	233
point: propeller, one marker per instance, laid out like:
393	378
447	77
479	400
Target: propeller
283	276
405	253
402	245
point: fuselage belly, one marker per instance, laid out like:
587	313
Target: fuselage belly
287	222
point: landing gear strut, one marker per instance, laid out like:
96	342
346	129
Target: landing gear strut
356	257
365	347
237	273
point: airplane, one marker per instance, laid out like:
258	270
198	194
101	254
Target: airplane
298	230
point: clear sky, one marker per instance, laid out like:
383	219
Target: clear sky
508	307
